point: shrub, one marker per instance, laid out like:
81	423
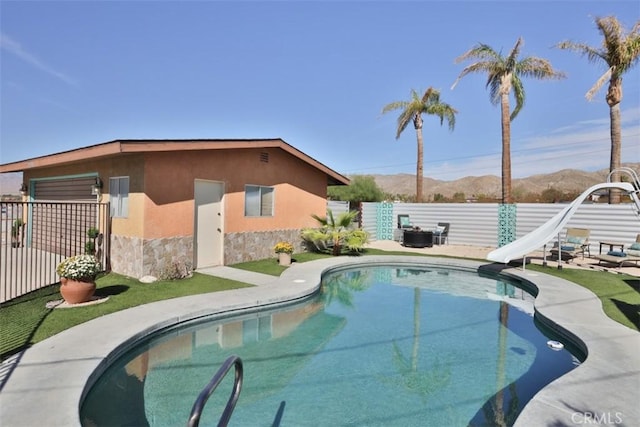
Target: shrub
89	247
93	232
335	234
176	270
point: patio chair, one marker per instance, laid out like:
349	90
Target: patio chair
441	233
576	242
404	222
619	258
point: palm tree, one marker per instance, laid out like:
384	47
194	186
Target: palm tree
422	382
619	51
413	110
504	77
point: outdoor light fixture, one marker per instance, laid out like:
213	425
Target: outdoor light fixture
24	189
97	187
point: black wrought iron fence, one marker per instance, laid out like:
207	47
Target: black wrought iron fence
37	236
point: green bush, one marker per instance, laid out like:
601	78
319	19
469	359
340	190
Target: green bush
335	234
16	227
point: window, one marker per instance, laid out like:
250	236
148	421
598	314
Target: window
258	201
119	196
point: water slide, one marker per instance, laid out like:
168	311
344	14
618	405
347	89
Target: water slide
550	229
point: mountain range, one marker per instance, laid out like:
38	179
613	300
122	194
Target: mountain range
566	180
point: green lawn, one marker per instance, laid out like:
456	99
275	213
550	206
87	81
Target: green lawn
27	320
619	293
270	266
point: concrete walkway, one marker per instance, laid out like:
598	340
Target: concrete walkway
480	253
244	276
45	385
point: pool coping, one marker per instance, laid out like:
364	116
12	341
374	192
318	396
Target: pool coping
46	384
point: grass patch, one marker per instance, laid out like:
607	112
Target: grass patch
26	320
271	266
619	293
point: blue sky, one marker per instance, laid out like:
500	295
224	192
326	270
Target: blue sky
316	74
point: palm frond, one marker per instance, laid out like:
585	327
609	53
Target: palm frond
598	85
518	94
538	68
613	37
494	83
321	220
345	219
593	55
476	67
620	50
394	106
479	51
429	95
403	120
503	72
444	112
427	103
512	60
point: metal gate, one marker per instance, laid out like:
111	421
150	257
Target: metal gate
37	236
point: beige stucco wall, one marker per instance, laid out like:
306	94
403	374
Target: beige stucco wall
161	188
300	190
160	224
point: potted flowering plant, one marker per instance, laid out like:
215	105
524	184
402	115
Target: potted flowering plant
283	247
284	251
77	277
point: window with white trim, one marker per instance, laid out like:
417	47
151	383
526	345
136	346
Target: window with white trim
119	196
258	200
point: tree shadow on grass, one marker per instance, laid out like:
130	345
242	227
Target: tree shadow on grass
24	315
18	333
633	284
630	311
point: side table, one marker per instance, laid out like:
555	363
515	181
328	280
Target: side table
611	245
417	239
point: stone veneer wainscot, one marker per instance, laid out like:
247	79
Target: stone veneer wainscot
136	257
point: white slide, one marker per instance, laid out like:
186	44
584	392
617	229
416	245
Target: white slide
550	229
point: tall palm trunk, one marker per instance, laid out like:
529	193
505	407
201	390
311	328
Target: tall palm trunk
506	148
417	122
614	96
500	418
416	329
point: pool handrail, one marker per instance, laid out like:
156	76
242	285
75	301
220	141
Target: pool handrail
198	406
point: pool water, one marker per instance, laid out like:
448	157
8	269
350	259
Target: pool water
378	346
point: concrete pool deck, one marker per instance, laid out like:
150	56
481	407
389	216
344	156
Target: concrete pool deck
44	385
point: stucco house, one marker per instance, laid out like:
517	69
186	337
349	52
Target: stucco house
205	202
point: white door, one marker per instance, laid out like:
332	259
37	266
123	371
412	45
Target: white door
208	223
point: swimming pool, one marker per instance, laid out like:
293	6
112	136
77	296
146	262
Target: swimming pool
378	346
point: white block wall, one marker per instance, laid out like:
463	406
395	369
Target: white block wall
476	224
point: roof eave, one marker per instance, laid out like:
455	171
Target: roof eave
65	157
141	146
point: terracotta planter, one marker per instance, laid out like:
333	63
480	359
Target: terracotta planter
284	258
76	292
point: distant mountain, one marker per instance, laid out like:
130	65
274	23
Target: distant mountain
566	180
